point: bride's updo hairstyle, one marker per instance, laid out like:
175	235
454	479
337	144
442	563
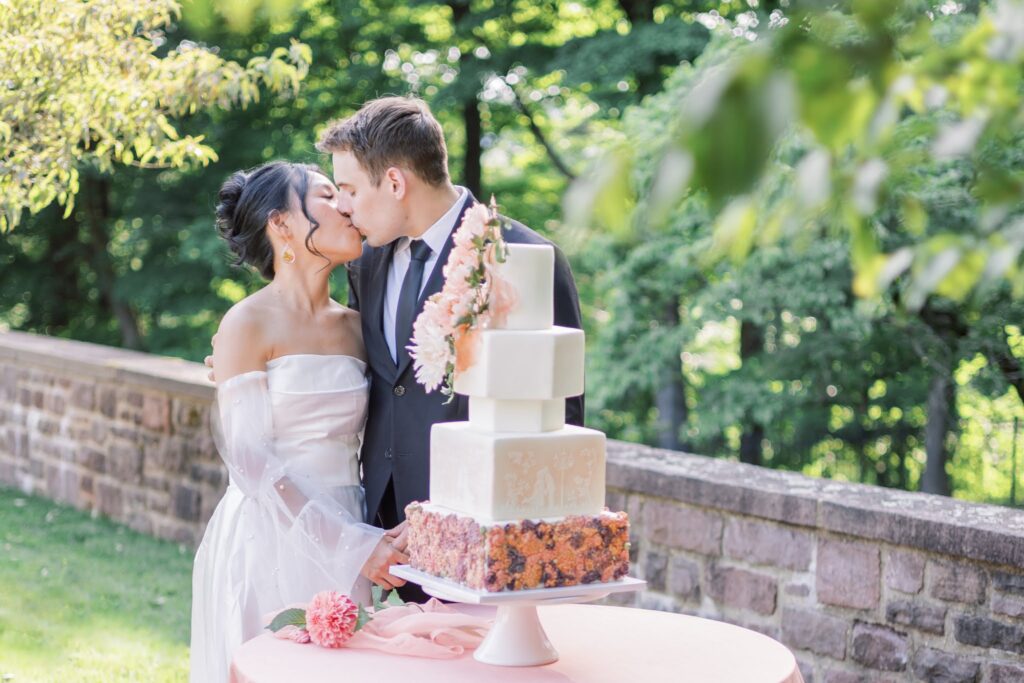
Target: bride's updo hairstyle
248	199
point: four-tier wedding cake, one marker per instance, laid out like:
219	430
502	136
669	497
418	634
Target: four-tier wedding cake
516	495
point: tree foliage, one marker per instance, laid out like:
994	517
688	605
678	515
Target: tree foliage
86	84
782	362
887	94
747	292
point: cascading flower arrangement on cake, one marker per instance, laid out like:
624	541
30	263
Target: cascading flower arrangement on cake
474	297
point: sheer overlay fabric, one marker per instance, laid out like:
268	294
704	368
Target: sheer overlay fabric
291	522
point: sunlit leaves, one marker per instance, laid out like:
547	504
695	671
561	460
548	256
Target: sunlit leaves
88	84
887	92
609	200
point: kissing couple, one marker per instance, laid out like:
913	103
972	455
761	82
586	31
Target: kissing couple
324	431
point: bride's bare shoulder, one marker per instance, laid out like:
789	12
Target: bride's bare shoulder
247	316
243	338
350	325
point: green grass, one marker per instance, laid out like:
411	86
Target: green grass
85	600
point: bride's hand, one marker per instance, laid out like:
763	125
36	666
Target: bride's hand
383	556
399	536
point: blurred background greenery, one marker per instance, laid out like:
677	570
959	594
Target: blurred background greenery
796	230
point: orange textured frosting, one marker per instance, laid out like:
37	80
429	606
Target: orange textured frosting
519	555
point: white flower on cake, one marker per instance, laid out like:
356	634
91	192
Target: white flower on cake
474	297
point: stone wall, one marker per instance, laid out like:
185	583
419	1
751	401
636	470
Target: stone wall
120	433
864	584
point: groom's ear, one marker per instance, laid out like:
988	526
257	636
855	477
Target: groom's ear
396	182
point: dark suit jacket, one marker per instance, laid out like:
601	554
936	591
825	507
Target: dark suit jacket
396	443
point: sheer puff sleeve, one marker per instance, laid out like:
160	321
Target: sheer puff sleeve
306	536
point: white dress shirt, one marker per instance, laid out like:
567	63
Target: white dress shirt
437	236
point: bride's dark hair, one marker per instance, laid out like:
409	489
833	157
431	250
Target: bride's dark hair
248	199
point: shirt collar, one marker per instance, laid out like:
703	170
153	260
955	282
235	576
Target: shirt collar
437	234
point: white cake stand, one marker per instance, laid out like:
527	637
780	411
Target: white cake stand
517	638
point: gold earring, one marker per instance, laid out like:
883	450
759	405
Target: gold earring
288	256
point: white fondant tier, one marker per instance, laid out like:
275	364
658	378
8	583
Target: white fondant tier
495	476
530	268
514	365
496	415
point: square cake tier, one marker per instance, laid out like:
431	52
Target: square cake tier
537	365
492	476
518	555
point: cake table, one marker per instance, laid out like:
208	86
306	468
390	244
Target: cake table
596	644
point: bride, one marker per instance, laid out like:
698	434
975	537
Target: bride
291	403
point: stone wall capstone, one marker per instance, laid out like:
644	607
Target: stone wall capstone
865	585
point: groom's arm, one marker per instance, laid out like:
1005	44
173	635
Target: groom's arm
567	314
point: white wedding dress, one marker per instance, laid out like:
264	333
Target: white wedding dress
291	521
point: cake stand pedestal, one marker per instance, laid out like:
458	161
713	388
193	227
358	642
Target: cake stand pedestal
517	637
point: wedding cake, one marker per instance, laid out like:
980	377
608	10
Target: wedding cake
516	495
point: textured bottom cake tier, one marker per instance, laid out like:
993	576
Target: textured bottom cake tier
498	556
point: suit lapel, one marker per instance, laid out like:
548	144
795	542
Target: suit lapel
436	280
376	344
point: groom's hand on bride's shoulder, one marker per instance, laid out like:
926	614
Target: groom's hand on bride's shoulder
209	360
383	556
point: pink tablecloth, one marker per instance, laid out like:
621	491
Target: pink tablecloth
596	644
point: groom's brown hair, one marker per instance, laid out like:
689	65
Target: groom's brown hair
391	131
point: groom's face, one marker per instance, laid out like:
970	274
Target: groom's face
375	210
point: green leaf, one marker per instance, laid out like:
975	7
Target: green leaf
377	593
362	617
289	617
394	599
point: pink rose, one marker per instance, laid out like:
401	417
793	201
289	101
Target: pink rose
477	220
503	298
474	224
456	290
331	619
294	633
462	257
465	349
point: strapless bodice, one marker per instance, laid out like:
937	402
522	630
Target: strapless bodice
319	408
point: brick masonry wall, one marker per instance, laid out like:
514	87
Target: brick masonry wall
863	584
123	434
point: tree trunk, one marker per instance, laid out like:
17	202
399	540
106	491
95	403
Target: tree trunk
471	171
899	448
940	415
1008	364
670	400
96	203
54	308
751	344
472	175
638	11
750	445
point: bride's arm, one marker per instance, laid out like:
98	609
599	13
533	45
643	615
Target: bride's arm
247	424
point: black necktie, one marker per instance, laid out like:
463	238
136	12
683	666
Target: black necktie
409	296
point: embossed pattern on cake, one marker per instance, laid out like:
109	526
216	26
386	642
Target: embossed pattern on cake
520	555
516	495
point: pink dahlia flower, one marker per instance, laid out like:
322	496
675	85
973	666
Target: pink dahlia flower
331	619
294	633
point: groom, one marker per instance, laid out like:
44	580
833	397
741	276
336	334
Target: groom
391	165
